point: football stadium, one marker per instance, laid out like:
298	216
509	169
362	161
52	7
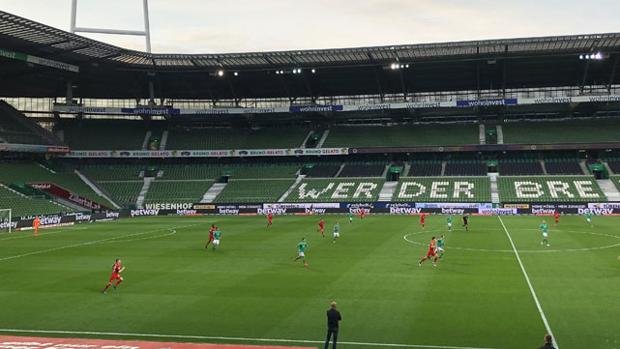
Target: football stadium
449	195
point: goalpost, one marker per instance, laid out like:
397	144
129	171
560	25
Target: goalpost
5	218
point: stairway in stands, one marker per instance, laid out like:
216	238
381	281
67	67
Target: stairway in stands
609	189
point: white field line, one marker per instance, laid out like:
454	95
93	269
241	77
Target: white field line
529	284
237	339
88	243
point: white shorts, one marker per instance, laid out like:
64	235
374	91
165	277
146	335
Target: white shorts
439	249
449	225
216	242
301	254
589	220
545	235
336	235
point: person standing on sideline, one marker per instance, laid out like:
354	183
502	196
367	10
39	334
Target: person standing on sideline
333	319
548	342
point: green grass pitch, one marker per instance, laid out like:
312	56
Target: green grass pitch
251	288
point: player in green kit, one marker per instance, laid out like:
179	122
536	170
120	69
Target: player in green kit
336	232
441	243
544	229
301	251
216	239
449	221
350	217
589	218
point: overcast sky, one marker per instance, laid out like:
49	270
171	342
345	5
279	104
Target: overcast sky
210	26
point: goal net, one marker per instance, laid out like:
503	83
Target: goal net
5	219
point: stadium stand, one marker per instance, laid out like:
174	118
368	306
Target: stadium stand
443	189
325	170
25	206
112	172
262	170
549	189
176	191
422	168
16	128
402	135
465	168
563	167
227	138
363	169
545	132
124	193
520	167
336	190
188	171
103	134
614	165
254	191
616	180
30	172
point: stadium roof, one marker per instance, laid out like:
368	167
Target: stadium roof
113	72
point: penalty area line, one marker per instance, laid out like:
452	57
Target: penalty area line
529	284
234	339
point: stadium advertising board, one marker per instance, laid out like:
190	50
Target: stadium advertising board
33	148
224	153
335	108
69	196
57	220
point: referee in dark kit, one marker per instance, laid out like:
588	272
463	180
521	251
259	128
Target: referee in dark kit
333	319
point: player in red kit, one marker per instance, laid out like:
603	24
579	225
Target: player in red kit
269	219
117	269
431	253
422	219
322	227
556	217
362	213
211	231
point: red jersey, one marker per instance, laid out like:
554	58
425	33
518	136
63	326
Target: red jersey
322	224
422	217
362	212
116	268
432	245
270	216
36	222
556	215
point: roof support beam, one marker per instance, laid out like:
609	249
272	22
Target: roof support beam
378	81
308	87
402	84
612	76
584	77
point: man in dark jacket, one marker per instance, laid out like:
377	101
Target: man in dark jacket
548	342
333	319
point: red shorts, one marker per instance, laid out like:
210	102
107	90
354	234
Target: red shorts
115	277
431	253
422	222
321	229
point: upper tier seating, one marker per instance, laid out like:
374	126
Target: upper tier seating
544	132
323	170
363	169
104	134
425	168
226	138
614	165
465	168
520	167
402	135
563	167
16	128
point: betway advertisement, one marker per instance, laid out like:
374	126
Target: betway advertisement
67	195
